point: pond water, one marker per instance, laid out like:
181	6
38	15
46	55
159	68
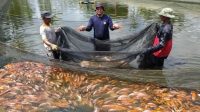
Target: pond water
20	28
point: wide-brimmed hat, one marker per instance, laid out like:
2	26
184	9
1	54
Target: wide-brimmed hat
167	12
99	5
46	14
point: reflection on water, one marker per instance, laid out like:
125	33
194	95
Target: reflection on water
3	8
20	26
147	14
117	11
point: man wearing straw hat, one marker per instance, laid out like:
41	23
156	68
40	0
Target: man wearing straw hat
154	56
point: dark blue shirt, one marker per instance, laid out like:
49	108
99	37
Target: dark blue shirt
101	26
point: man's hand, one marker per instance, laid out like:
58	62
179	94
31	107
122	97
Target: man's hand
116	26
81	28
58	29
54	47
146	51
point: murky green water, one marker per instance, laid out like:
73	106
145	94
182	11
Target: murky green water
20	28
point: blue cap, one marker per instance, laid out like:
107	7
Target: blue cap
46	14
99	5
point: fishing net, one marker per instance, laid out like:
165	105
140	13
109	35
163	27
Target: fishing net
166	77
122	51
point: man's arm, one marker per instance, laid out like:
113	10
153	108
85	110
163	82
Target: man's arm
164	37
52	46
45	40
111	25
166	34
161	44
88	27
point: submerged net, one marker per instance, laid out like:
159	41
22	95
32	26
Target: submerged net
123	51
186	78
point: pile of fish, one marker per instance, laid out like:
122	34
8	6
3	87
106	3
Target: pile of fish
30	86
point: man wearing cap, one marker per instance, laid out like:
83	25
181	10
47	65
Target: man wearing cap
49	34
154	56
101	24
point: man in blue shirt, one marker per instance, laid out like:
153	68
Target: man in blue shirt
101	24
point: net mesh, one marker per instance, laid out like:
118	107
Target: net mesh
123	51
166	77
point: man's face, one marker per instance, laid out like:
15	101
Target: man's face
47	20
163	18
99	11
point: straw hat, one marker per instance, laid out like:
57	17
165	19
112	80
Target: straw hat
167	12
